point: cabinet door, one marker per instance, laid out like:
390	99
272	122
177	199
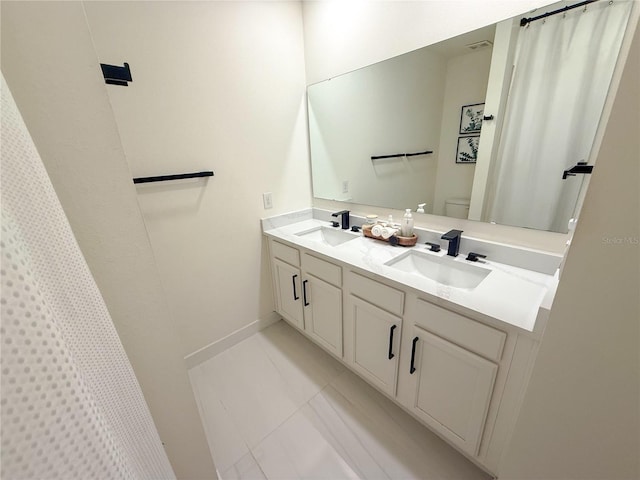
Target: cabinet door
323	313
372	343
452	388
289	292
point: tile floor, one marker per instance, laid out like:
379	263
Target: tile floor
276	406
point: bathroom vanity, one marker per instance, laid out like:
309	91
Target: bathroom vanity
449	340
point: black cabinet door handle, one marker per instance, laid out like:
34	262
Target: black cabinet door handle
391	354
304	293
412	368
295	295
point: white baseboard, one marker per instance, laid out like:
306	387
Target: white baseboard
219	346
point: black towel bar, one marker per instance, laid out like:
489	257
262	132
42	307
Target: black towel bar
378	157
179	176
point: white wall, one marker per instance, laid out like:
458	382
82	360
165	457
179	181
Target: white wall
580	418
466	84
51	67
341	36
219	86
390	107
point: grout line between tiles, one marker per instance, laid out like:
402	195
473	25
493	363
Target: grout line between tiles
230	418
262	439
195	387
353	433
271	360
375	398
258	464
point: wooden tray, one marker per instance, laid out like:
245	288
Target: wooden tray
402	241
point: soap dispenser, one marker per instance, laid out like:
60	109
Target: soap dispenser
406	229
420	208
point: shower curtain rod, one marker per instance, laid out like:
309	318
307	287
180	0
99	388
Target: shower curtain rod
525	21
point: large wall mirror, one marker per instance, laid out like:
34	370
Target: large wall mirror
495	125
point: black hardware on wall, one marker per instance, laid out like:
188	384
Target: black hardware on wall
379	157
179	176
115	75
580	167
391	354
487	117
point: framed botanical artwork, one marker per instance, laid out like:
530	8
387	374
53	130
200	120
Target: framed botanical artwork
467	149
471	118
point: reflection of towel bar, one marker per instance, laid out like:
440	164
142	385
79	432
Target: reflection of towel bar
395	155
179	176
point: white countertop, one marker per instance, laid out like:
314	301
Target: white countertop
515	296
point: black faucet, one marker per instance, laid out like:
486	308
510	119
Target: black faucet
345	218
453	236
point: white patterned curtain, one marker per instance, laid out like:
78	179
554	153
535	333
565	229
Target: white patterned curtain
71	407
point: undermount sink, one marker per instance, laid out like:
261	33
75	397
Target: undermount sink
328	235
443	270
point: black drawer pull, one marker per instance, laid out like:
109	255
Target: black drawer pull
391	354
295	295
304	293
413	355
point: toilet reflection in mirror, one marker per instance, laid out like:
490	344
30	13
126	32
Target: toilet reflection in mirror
456	207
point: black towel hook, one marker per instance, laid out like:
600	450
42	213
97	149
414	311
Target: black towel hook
115	75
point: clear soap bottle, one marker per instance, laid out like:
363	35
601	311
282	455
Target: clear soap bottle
406	228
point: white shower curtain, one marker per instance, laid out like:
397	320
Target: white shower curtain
71	406
563	70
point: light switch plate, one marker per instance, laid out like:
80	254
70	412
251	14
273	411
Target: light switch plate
267	200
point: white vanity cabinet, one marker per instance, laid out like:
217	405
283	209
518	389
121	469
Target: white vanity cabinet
322	301
308	294
451	388
453	364
372	330
462	376
287	282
